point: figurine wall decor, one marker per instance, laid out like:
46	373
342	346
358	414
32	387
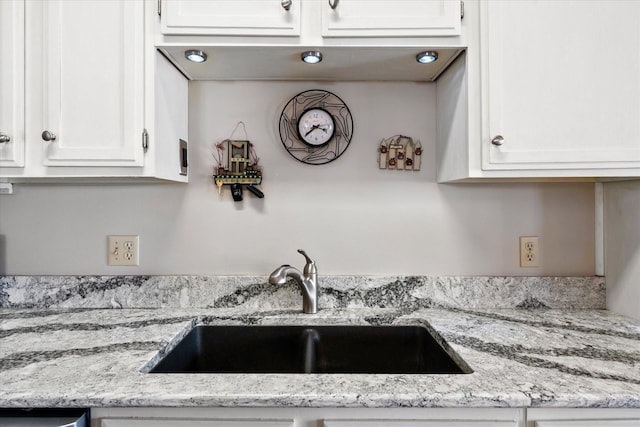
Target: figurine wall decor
401	153
237	166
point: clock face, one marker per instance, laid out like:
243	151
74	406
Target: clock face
316	126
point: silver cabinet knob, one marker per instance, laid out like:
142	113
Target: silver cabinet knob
333	3
286	4
4	138
497	140
48	136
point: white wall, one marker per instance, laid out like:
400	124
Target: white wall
622	246
350	216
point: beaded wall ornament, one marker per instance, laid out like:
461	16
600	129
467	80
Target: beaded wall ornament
401	153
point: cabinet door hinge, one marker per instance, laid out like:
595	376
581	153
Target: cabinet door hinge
461	10
145	140
160	8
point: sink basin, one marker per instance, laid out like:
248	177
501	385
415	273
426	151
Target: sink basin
310	349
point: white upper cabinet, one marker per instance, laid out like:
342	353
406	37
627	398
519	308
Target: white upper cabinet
390	18
86	95
549	90
12	84
338	18
263	39
562	86
231	17
93	88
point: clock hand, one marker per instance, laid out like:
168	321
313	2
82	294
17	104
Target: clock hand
314	127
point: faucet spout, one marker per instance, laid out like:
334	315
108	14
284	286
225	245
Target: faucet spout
307	281
281	274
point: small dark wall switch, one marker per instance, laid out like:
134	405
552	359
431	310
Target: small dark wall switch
184	163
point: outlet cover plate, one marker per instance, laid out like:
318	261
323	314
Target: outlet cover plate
529	251
123	250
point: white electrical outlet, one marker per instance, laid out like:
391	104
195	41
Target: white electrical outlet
529	252
123	250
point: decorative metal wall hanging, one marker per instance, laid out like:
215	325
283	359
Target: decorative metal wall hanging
238	167
316	127
401	153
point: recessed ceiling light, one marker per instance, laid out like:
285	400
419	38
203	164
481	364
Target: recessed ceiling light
427	57
311	57
195	55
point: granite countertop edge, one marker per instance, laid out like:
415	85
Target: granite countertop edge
520	357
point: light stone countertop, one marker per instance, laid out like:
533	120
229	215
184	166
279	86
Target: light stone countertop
80	357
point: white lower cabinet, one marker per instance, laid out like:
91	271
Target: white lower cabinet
588	423
420	423
583	417
364	417
308	417
184	422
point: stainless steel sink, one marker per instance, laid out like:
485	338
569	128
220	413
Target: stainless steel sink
311	349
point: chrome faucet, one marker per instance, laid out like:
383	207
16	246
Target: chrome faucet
308	282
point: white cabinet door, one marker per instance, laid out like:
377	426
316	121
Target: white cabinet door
583	417
390	18
93	88
12	83
561	84
419	423
590	423
231	17
184	422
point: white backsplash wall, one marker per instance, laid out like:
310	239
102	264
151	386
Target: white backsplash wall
622	246
350	216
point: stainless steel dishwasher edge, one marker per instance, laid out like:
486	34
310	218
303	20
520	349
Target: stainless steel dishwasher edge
44	418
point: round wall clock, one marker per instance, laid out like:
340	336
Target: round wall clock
316	127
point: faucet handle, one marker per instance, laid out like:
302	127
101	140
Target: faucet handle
310	267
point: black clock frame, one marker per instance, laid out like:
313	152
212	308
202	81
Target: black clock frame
290	135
